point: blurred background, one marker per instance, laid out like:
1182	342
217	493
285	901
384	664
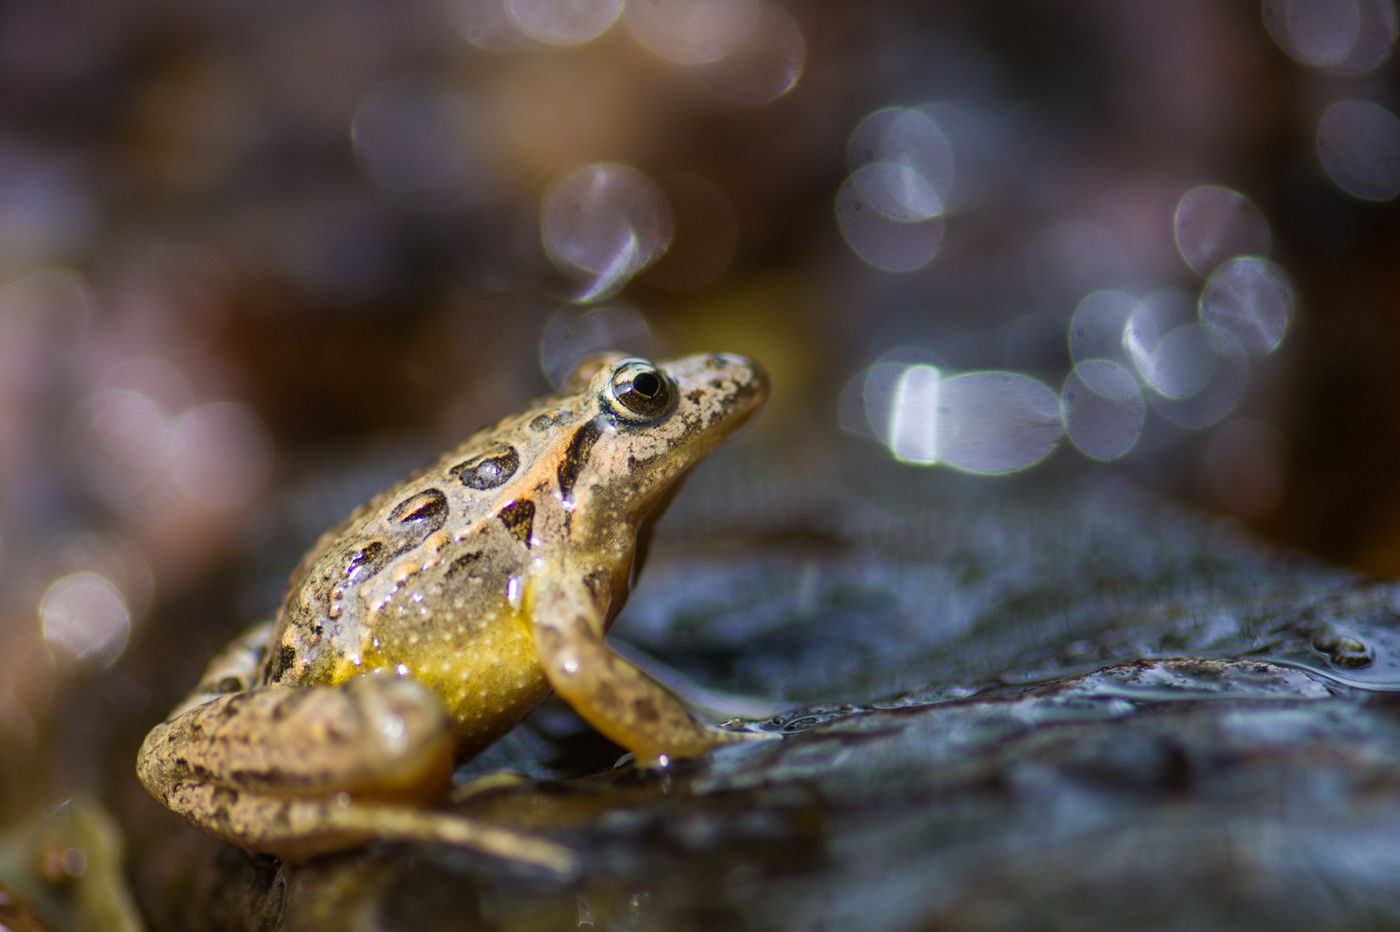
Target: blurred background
258	259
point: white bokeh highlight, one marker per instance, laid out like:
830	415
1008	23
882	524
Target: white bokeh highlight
1252	299
605	223
1358	145
1103	409
563	22
1213	224
84	619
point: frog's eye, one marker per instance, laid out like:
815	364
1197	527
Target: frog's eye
641	392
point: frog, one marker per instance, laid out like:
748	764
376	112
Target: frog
432	619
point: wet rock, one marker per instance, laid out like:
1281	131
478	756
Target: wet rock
988	707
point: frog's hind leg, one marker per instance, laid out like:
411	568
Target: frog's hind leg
300	829
298	772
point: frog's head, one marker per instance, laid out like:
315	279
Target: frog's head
652	422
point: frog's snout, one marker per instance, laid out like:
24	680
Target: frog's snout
741	382
745	371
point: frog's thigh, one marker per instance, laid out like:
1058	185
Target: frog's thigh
373	737
299	772
615	696
380	736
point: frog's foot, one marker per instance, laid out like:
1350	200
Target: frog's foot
715	735
297	830
731	736
611	693
497	780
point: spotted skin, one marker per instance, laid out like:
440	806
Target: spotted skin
433	618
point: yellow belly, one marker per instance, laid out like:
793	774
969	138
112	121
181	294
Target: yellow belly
485	669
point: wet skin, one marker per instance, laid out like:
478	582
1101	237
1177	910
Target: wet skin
430	621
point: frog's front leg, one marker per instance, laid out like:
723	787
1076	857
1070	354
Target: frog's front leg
303	771
610	693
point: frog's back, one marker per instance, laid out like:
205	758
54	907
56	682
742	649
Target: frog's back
424	579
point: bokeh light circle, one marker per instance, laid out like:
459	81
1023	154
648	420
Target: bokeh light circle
1218	376
484	23
1103	409
85	619
119	440
1182	362
868	399
1213	224
572	332
606	221
915	147
1252	299
767	65
1313	32
1358	144
882	211
563	22
691	32
989	423
1099	323
1343	36
220	454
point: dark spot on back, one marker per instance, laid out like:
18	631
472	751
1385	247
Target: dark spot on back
372	555
427	509
580	445
519	519
462	563
488	470
635	465
284	661
546	420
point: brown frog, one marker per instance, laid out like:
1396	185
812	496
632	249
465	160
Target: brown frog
429	622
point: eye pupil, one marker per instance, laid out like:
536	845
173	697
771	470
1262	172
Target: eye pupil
641	391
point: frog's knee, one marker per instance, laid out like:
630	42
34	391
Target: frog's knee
563	654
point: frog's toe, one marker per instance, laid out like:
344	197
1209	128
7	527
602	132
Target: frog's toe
727	734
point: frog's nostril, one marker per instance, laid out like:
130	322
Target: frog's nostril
758	376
